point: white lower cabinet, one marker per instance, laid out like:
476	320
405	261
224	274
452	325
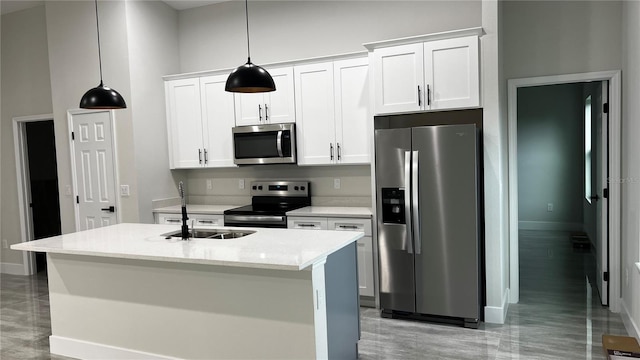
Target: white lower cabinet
365	244
199	220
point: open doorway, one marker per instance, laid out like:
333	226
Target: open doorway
38	184
611	130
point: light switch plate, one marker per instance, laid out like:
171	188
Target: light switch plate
124	190
241	184
336	183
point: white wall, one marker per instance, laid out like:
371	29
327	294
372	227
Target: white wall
630	247
26	91
153	43
213	37
551	155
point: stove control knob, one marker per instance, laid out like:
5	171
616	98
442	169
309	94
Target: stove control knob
260	187
296	188
302	188
254	187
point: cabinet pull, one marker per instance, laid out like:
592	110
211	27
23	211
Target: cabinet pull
306	225
259	112
206	157
339	152
171	220
428	95
206	221
348	227
200	156
419	96
266	113
331	151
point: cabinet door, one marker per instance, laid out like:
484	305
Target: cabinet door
280	104
218	119
204	220
170	219
353	132
365	250
452	73
398	76
315	113
184	123
249	109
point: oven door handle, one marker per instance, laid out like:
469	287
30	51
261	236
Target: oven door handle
279	143
253	218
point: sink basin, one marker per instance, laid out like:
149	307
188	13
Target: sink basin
211	234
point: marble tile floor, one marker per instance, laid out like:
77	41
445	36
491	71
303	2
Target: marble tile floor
559	316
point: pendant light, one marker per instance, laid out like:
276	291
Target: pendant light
249	78
101	97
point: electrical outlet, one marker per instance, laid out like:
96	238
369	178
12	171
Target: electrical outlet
5	244
124	190
209	184
336	183
241	184
67	190
550	207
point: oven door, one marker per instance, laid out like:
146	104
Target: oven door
264	144
264	221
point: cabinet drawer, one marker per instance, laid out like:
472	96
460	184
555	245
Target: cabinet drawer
163	218
348	224
208	220
310	223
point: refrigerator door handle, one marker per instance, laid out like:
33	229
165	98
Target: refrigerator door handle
415	211
407	199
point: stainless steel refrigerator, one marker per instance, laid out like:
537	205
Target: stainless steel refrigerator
428	193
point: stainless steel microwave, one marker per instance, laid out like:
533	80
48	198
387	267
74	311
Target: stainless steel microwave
264	144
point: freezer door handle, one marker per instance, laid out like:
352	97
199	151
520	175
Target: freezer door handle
415	211
407	199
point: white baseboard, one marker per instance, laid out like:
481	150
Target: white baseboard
12	269
497	314
629	324
550	225
88	350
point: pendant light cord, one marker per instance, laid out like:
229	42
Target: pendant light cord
99	52
246	13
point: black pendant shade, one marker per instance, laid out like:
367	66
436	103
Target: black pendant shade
249	78
101	97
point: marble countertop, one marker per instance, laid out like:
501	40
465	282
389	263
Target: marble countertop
196	209
332	211
282	249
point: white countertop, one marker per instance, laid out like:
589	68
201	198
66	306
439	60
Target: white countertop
283	249
196	209
332	211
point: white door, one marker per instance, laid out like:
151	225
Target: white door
94	171
452	73
280	104
602	205
353	134
398	74
315	113
185	123
218	119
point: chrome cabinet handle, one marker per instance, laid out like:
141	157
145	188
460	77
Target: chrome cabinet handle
339	152
414	202
307	225
266	113
279	143
171	220
200	156
348	227
419	96
206	221
407	199
259	113
428	95
206	157
331	151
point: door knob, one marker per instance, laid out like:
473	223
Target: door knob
594	197
109	209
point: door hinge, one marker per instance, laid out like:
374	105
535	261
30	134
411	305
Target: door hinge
605	108
73	136
605	193
77	199
605	276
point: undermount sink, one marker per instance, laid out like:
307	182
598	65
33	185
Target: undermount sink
211	234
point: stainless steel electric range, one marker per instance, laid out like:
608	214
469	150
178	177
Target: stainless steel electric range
270	202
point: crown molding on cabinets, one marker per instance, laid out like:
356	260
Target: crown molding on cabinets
477	31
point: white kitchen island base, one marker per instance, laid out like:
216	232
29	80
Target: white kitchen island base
131	291
111	308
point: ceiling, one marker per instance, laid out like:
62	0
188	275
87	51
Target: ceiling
10	6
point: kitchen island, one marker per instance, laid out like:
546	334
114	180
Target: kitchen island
126	291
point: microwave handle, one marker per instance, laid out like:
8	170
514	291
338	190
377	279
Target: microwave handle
279	143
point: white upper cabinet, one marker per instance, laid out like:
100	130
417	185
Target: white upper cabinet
452	73
218	119
315	113
268	108
200	115
432	75
353	122
398	78
184	123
